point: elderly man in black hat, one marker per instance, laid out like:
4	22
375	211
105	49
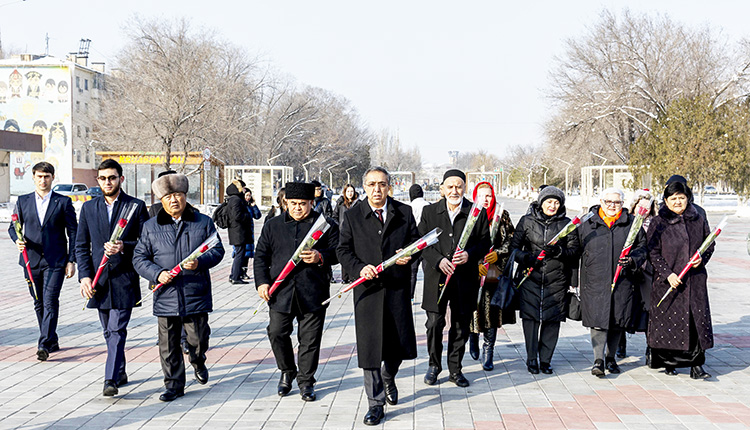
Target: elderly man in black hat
371	232
303	291
185	300
450	214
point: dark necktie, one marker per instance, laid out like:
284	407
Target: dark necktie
379	214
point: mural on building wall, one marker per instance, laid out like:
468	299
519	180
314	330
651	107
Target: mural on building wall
36	100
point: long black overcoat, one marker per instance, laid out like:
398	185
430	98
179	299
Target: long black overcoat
600	248
310	283
162	246
364	240
240	221
672	241
464	284
118	286
543	293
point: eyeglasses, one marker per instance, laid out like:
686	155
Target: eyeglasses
107	178
378	184
612	202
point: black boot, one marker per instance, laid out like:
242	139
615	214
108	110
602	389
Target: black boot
488	349
697	372
244	276
474	345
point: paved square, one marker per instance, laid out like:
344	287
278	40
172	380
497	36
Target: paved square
66	391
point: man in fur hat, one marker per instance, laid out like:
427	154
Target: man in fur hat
303	291
185	300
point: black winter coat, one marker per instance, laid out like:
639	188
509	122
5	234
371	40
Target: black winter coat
672	241
240	221
162	246
310	283
119	285
600	248
543	293
364	240
323	205
464	284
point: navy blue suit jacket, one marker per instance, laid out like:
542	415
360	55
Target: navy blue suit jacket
118	286
52	241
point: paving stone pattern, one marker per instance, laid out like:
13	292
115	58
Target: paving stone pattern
66	391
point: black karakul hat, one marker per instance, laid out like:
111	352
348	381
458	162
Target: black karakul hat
299	190
454	172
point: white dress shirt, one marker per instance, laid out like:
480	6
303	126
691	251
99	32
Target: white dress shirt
453	214
384	208
111	207
42	203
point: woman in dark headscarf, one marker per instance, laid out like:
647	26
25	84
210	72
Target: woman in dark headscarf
486	319
680	329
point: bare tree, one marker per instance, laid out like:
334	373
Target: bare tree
389	153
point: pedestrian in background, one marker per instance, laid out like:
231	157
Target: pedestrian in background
322	203
417	203
240	228
252	208
279	207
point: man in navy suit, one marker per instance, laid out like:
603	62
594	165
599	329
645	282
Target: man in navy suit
49	234
118	288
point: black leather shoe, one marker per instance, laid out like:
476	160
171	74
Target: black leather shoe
621	353
42	354
110	389
391	393
697	372
374	416
671	371
598	369
474	345
459	379
285	383
237	281
171	394
122	380
545	368
532	367
431	377
54	348
307	393
612	366
201	374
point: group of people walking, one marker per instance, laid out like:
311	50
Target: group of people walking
361	234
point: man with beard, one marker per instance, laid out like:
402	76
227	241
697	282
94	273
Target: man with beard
371	232
301	295
118	288
185	299
450	214
49	223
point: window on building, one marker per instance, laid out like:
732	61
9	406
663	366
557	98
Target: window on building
78	82
87	132
86	84
78	106
88	154
78	155
78	130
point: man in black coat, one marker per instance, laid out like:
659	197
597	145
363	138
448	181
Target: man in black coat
450	214
49	224
303	291
118	288
185	299
371	232
240	228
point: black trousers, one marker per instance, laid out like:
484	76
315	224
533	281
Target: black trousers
376	379
541	339
414	273
605	342
170	352
309	335
115	326
457	337
48	282
238	262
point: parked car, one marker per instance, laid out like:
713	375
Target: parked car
70	189
710	189
94	192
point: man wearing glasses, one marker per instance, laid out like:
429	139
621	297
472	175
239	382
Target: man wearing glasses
117	290
605	311
371	232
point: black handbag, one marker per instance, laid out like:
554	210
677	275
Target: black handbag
574	305
506	287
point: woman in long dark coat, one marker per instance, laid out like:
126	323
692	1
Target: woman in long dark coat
543	293
487	319
680	330
605	311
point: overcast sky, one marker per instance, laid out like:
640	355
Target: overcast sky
444	75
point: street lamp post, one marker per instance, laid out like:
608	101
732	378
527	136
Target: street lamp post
601	170
330	175
348	181
273	158
567	191
546	169
304	166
